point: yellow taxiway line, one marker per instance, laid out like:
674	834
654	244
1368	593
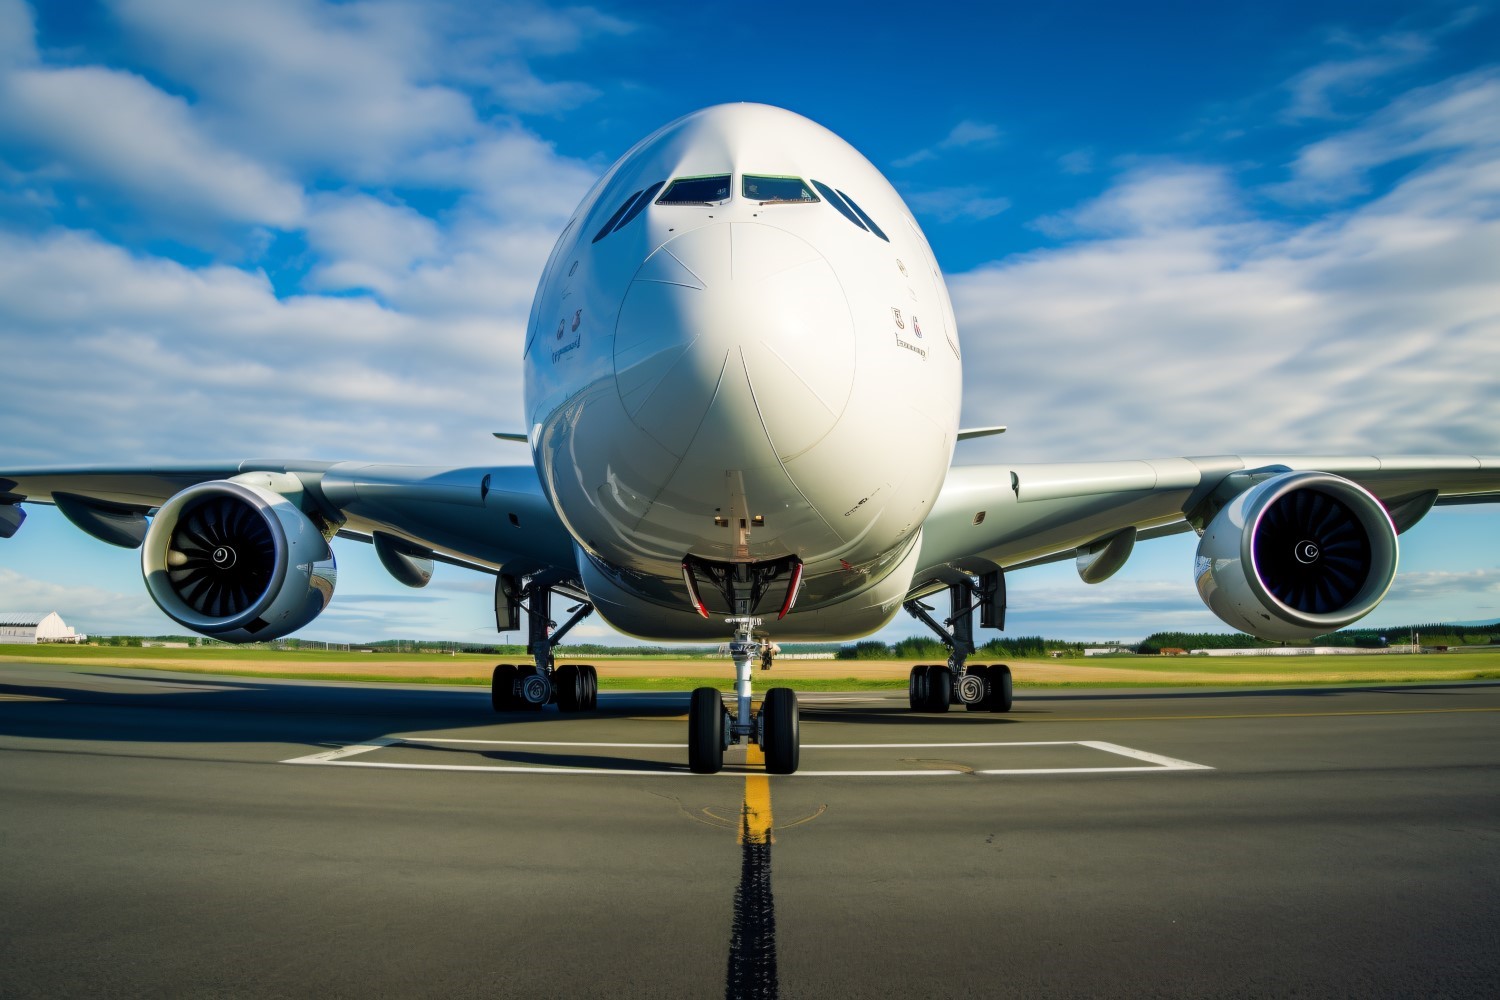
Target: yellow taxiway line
755	814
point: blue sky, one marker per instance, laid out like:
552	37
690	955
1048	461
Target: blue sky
301	229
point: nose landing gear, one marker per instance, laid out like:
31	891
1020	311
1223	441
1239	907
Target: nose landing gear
712	728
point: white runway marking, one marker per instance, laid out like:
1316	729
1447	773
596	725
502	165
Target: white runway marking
1152	763
333	756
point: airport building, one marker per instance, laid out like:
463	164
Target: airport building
30	629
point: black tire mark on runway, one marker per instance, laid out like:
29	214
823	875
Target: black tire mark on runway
752	942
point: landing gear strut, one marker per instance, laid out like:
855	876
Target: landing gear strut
712	727
934	687
530	686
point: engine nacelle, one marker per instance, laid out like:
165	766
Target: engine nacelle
237	562
1297	555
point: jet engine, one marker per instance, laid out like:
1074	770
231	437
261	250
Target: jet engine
237	562
1297	555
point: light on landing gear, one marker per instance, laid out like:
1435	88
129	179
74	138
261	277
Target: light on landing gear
692	588
792	587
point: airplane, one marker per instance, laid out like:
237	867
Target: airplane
742	386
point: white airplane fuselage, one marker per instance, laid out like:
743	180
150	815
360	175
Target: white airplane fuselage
742	349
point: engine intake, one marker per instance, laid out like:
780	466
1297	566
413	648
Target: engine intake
1297	555
237	562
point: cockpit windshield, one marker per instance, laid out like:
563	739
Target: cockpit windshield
773	190
697	191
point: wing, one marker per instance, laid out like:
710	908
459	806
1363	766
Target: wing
993	516
485	518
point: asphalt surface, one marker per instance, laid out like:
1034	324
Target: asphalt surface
1321	842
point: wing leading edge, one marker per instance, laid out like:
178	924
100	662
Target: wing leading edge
484	517
998	516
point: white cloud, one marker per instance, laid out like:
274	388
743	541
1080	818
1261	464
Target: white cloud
1155	199
115	128
1456	114
953	204
88	609
366	243
1315	90
913	158
1179	323
318	85
966	134
17	34
143	360
971	133
140	358
1445	585
361	87
520	90
509	173
1077	161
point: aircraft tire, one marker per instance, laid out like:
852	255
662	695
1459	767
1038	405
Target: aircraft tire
524	671
782	731
983	704
916	688
1002	694
706	731
503	687
572	688
939	688
591	683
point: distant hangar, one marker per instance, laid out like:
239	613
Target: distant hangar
30	629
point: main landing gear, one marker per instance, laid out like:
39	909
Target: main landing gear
934	687
522	687
712	728
930	688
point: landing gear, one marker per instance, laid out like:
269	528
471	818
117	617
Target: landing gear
1001	697
780	735
534	685
930	688
708	731
577	688
533	688
503	687
712	728
997	696
778	726
933	688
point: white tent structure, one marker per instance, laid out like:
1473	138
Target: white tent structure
29	629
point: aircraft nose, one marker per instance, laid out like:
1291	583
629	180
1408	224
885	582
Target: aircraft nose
735	301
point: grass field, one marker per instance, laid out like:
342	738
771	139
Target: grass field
631	673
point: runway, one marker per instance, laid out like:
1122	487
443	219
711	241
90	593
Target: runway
167	834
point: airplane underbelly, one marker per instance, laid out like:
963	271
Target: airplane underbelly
855	604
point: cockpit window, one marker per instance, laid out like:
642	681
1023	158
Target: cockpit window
773	190
849	209
640	204
610	225
869	222
830	196
697	191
